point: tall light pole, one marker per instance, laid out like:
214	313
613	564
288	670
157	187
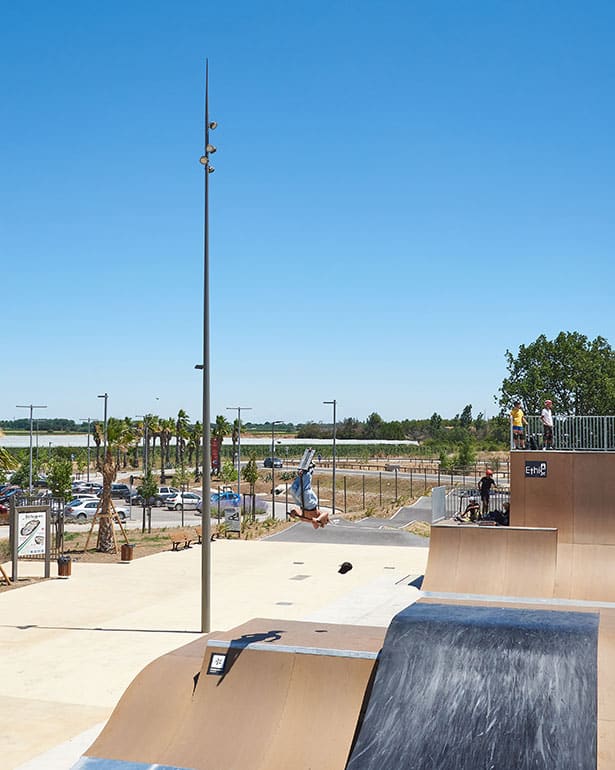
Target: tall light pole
105	396
31	407
273	424
88	471
334	404
238	410
206	502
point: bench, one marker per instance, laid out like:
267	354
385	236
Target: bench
179	537
199	534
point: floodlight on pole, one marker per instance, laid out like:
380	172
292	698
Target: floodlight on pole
238	410
31	407
334	404
205	367
106	397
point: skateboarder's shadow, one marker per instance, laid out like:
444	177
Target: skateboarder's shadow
237	646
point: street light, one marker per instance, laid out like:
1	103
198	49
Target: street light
206	501
31	407
238	410
334	404
105	396
88	472
273	424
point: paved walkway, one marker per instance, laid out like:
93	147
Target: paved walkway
69	648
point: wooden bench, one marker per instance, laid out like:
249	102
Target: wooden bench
199	535
180	537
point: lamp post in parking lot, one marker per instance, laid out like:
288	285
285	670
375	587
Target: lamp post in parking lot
334	405
273	424
31	407
206	368
238	410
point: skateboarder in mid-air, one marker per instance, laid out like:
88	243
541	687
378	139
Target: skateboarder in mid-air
303	494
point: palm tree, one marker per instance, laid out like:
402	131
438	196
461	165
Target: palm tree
119	437
98	435
194	447
221	428
182	432
166	428
7	461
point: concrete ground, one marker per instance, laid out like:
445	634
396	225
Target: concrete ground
70	647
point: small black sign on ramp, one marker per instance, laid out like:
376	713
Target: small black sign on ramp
463	687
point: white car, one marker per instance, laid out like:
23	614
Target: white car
191	501
83	508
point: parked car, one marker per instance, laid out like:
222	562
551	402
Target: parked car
226	496
86	487
120	490
85	508
190	500
158	500
272	462
9	492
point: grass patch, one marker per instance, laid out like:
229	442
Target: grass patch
420	528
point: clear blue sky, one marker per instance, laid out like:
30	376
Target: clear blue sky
403	190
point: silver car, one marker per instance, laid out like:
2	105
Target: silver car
190	500
84	508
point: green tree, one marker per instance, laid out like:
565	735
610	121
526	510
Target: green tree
249	473
466	455
465	420
148	488
228	473
578	374
59	477
373	425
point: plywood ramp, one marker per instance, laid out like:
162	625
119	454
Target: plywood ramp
290	697
502	561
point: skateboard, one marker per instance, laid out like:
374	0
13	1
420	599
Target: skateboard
303	516
306	460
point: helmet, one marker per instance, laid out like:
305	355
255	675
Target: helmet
489	472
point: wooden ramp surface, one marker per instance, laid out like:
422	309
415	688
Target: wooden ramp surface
290	697
500	561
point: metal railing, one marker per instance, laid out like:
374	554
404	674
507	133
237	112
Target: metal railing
593	433
458	498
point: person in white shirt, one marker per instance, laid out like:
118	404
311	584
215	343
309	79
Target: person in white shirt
547	425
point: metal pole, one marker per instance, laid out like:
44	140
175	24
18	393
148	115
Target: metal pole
88	469
273	424
88	473
206	502
238	410
31	407
105	396
334	404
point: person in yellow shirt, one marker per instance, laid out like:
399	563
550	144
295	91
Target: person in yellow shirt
519	422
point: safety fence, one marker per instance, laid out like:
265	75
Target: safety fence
571	433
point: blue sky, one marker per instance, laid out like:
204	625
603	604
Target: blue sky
403	191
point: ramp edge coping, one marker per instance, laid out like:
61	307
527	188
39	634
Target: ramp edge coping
517	599
263	647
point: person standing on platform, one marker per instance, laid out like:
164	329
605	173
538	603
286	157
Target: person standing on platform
547	425
519	422
484	486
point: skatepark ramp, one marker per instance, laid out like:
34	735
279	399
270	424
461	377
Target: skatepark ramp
466	687
270	695
503	561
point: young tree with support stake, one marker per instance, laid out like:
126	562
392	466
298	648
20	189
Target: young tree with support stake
119	436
